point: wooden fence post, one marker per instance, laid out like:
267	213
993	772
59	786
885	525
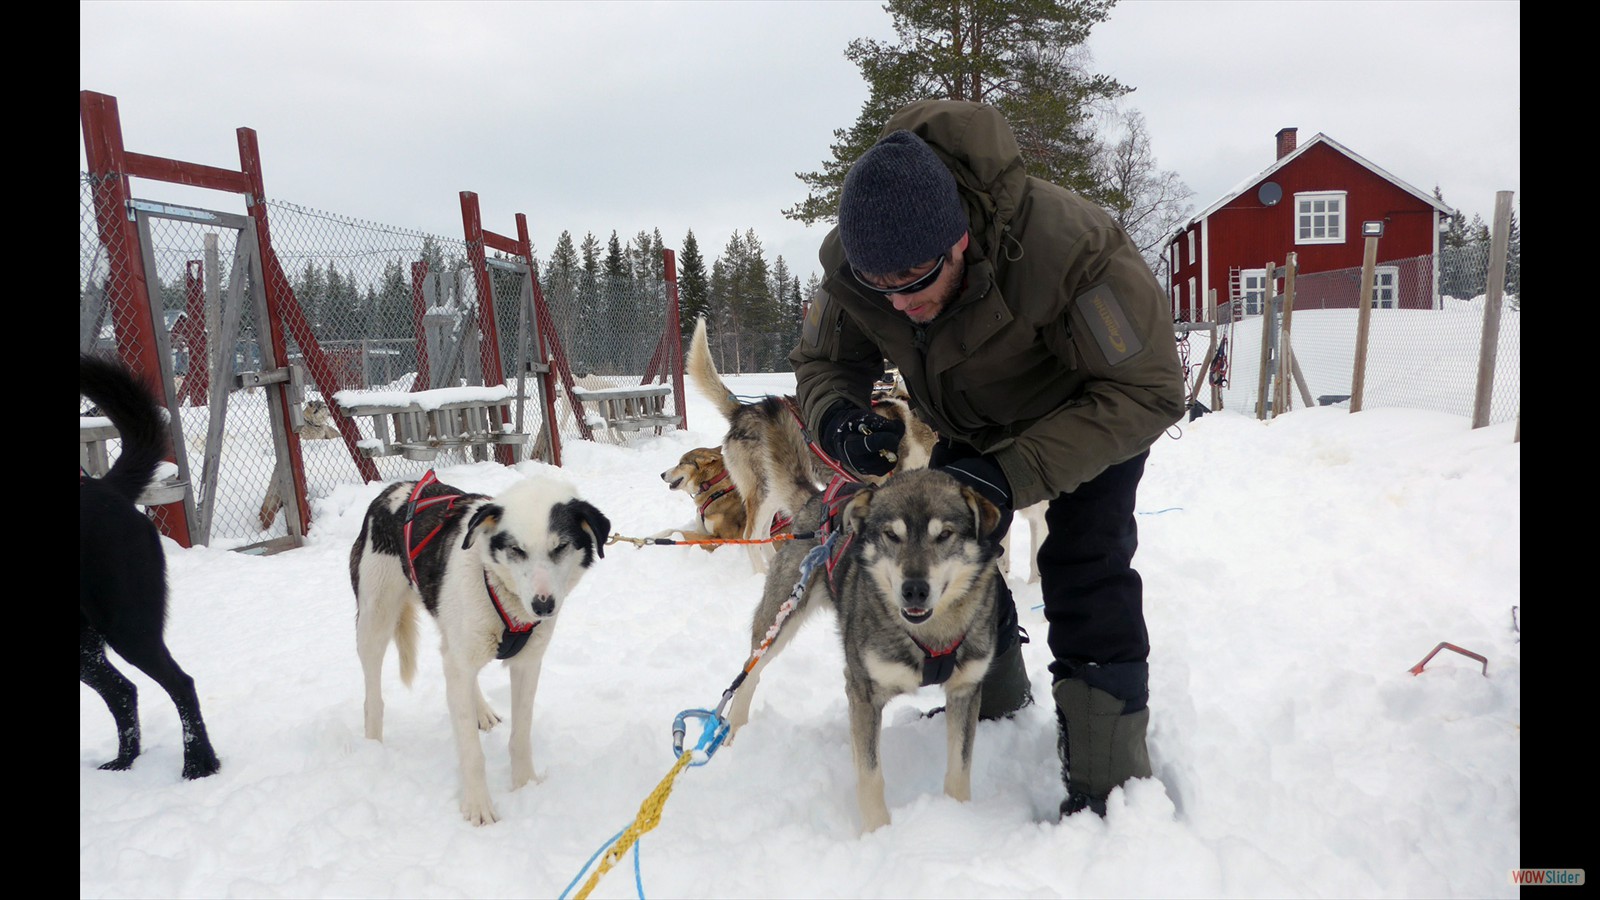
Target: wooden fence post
1282	402
1358	379
1489	346
1266	333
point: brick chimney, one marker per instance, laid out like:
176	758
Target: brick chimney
1286	141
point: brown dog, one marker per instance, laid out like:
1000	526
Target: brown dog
719	510
768	454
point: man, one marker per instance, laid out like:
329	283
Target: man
1033	337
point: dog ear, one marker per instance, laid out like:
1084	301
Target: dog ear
593	521
985	515
855	512
487	515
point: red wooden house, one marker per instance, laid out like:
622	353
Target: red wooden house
1312	201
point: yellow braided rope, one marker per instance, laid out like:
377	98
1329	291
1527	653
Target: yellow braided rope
649	817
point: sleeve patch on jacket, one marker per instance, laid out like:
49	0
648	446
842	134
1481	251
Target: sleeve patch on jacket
1108	323
811	328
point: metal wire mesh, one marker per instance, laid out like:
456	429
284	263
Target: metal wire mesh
1418	356
611	327
381	308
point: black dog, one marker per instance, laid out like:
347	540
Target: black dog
122	573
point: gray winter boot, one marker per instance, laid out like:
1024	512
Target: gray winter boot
1100	746
1005	685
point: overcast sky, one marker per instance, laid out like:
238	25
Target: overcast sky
629	116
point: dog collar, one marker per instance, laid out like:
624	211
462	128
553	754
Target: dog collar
516	635
708	485
938	665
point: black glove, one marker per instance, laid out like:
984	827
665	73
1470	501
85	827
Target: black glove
983	475
864	441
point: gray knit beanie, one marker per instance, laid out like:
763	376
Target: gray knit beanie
899	207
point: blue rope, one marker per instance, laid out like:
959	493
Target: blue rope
638	882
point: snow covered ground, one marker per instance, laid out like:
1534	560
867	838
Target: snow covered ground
1295	571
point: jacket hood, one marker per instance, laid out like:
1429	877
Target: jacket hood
974	140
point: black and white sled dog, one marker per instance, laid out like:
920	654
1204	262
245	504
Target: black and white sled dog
910	571
122	572
493	572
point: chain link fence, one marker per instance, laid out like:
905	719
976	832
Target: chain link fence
383	309
1418	356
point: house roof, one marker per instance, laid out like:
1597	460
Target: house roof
1320	138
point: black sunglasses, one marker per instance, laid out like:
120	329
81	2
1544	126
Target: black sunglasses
910	287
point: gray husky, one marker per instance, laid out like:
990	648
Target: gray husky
909	568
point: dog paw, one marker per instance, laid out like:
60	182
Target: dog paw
487	718
206	764
478	810
519	779
869	825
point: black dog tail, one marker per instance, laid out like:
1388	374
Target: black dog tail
133	411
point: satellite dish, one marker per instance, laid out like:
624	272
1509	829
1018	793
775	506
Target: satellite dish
1270	194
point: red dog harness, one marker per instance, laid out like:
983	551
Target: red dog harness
706	486
516	634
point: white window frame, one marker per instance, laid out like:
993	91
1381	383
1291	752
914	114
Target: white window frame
1320	226
1191	247
1385	287
1253	283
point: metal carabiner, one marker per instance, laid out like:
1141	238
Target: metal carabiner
711	737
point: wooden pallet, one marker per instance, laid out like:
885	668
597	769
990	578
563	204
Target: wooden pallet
420	424
631	408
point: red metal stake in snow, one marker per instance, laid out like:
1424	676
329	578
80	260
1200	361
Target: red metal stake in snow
1417	669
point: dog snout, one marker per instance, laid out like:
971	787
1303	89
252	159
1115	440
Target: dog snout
543	605
914	593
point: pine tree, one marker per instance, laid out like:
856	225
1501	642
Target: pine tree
1025	57
343	306
781	291
620	311
1455	233
392	308
693	291
616	265
558	281
809	294
644	257
718	318
779	342
583	346
312	291
1460	273
1514	263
